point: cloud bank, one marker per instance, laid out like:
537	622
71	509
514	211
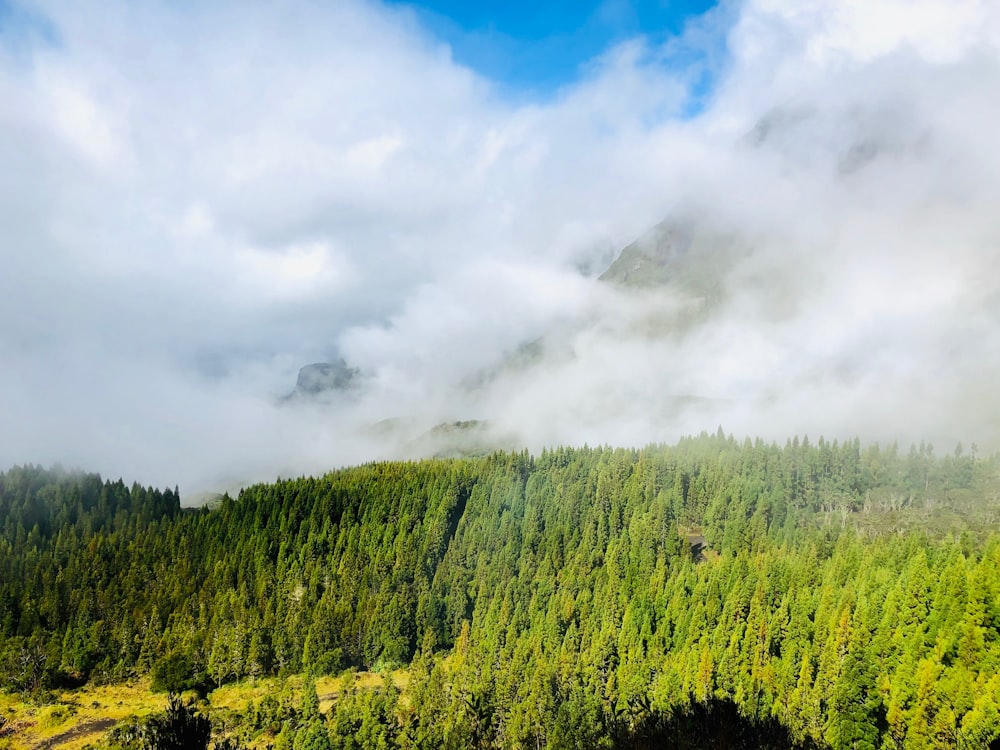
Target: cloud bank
198	199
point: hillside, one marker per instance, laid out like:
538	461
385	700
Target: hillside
851	597
683	253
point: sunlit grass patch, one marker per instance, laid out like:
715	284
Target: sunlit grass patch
239	696
75	718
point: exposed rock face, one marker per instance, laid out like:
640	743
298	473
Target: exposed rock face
692	256
322	377
652	259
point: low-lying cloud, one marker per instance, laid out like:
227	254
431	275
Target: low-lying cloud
196	201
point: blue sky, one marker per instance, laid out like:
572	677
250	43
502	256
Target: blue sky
541	46
21	27
528	49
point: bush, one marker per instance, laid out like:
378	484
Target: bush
174	673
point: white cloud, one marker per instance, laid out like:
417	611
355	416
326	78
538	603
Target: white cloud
197	200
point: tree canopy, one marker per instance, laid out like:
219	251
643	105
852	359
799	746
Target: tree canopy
847	597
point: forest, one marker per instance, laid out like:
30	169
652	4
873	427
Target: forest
712	593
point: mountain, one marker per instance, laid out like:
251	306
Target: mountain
664	284
687	254
325	377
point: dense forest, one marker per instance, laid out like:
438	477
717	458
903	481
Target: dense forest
811	595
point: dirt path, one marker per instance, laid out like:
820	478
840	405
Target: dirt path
80	730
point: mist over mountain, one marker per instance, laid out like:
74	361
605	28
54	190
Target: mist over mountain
322	379
192	209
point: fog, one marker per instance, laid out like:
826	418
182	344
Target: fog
196	200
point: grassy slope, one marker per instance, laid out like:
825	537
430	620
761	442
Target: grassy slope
77	718
85	713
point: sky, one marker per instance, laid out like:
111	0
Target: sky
197	199
532	50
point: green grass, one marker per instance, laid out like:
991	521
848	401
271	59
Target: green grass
75	719
84	712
